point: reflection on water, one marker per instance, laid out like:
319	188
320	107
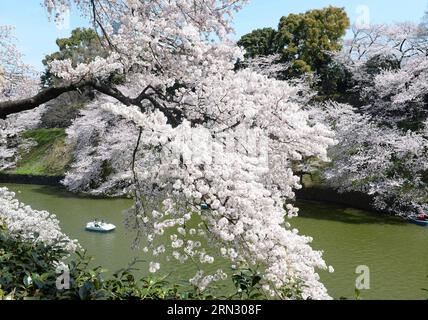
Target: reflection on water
394	250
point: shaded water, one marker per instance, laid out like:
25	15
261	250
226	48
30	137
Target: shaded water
394	250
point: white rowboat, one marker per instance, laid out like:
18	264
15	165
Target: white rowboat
100	227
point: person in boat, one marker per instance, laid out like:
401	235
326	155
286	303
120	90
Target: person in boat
422	216
96	224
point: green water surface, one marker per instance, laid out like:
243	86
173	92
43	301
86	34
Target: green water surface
395	251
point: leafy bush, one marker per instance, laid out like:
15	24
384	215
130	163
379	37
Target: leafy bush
28	271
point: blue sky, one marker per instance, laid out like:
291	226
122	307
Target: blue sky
37	35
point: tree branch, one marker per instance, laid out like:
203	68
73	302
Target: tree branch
46	95
174	116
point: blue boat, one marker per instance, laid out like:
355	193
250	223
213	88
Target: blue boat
423	223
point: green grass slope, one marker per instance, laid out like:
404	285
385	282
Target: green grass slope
50	157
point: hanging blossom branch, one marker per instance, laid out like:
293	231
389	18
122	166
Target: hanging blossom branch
211	136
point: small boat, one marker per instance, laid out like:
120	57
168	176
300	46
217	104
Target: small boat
415	220
96	226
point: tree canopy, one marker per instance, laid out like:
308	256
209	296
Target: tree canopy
260	42
304	40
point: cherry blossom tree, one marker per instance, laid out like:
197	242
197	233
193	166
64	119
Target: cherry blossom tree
103	146
30	224
400	96
401	40
212	143
17	80
388	67
382	149
270	66
386	163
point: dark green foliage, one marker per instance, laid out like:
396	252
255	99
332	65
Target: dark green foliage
336	83
259	42
303	40
28	271
247	284
425	176
21	261
306	39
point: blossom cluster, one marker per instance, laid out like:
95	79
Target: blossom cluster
386	163
400	40
242	174
382	149
102	146
32	224
17	79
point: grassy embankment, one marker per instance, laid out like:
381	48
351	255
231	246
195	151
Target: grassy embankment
50	157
